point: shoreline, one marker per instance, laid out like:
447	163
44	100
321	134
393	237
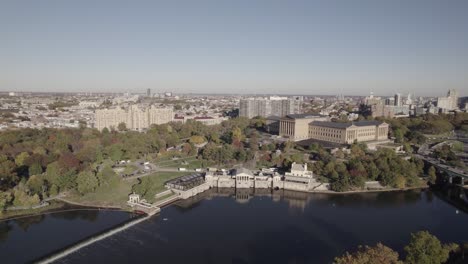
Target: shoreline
81	206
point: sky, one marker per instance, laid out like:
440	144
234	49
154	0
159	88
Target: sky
242	47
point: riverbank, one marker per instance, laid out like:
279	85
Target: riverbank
374	191
57	205
63	202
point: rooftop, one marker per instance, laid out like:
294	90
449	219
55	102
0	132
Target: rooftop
298	116
242	170
345	125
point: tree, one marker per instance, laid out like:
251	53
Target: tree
21	158
197	140
107	177
7	172
400	182
116	152
5	200
68	161
425	248
35	184
122	126
21	198
67	180
35	169
53	172
236	137
86	182
379	254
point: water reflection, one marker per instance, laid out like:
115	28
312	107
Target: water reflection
300	200
455	196
249	226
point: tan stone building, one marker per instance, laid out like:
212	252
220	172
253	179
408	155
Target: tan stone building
348	133
134	117
296	127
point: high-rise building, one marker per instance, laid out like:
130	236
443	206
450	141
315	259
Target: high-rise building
275	106
390	101
398	100
148	92
134	117
450	102
409	99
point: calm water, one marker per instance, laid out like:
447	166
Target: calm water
227	227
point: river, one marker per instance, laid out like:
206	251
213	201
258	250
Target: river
221	226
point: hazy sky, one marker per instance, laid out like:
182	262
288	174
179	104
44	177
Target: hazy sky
236	46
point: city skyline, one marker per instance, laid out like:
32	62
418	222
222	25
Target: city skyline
253	47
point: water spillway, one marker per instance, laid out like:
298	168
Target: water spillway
91	240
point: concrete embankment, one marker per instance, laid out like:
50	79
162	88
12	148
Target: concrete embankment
92	240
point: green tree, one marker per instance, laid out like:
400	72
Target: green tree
86	182
35	184
53	172
237	137
425	248
8	175
400	182
5	200
67	180
122	126
35	169
116	152
107	177
197	139
21	158
379	254
21	198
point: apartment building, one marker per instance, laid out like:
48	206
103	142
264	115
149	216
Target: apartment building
134	117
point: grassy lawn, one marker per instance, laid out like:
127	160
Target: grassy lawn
154	183
116	196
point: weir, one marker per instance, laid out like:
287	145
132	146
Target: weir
92	240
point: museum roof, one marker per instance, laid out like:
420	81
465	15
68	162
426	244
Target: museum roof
345	125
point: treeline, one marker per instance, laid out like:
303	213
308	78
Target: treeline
412	129
36	164
422	248
349	171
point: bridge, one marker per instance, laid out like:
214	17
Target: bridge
452	173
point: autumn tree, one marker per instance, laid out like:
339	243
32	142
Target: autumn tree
197	139
379	254
237	137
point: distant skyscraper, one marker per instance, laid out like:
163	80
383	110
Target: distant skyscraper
148	92
409	100
390	101
450	102
398	101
